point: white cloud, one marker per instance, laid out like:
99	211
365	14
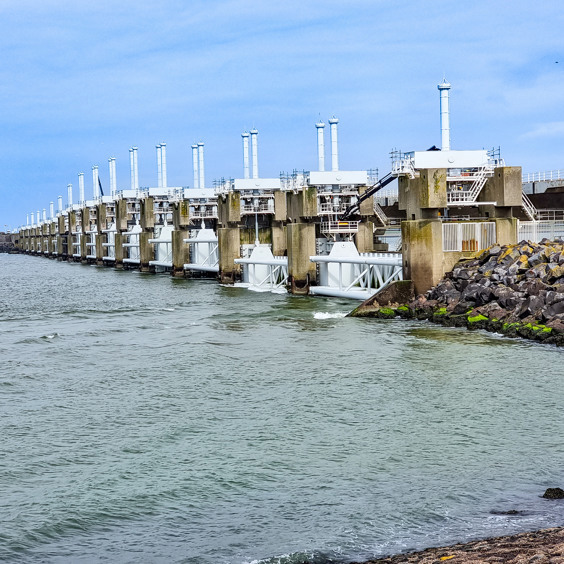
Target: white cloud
549	129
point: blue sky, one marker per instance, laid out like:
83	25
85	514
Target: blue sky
81	81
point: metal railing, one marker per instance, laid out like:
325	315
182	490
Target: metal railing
473	236
478	179
339	226
263	207
329	208
544	175
529	208
536	231
550	215
379	212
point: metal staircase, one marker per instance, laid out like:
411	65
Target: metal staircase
468	197
529	208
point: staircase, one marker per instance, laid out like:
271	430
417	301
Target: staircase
528	207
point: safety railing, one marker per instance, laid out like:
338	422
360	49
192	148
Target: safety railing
544	175
473	236
339	226
536	231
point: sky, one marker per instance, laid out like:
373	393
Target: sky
83	81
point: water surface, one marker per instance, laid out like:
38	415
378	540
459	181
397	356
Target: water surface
146	419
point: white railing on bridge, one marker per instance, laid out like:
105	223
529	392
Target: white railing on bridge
131	245
163	248
536	231
203	252
339	226
202	214
544	175
326	208
262	271
473	236
263	207
346	273
550	215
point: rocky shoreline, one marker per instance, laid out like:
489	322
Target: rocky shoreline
516	290
546	545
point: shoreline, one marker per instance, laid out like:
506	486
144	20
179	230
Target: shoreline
543	545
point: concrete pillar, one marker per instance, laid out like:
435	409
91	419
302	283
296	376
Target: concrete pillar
85	216
147	213
229	247
181	214
300	239
119	250
422	247
180	252
506	230
229	209
146	251
121	215
279	244
101	237
506	189
364	239
366	207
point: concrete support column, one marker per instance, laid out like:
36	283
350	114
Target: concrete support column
147	214
279	245
180	252
146	251
300	239
506	230
121	215
229	247
119	250
85	227
422	253
60	239
100	237
364	239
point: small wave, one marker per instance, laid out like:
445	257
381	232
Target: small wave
295	558
327	315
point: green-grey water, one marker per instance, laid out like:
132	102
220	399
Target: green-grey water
146	419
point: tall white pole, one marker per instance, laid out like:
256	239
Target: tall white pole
254	149
163	166
195	165
131	170
444	87
60	203
69	195
320	145
44	215
95	183
111	176
202	181
81	188
159	167
113	181
51	210
38	217
245	136
334	144
135	170
27	219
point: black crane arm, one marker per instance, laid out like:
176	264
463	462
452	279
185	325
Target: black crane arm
353	208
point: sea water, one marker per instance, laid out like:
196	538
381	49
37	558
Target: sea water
148	419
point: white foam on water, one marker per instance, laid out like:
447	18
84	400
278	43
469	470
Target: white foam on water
327	315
